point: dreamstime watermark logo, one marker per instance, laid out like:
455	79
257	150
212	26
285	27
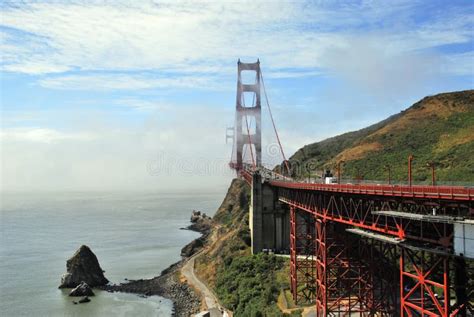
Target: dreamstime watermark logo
273	151
273	156
310	167
170	164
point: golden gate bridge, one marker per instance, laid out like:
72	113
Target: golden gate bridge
356	249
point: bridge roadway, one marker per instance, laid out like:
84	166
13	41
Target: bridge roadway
366	248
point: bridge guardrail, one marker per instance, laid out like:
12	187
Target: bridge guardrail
420	191
440	192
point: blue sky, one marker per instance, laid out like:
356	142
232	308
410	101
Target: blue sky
137	95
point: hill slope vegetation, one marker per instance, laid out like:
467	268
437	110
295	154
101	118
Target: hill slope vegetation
437	129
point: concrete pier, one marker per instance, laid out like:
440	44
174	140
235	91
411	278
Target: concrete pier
269	219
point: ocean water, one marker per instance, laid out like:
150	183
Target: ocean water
134	235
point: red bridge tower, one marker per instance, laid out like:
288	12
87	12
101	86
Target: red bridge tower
244	114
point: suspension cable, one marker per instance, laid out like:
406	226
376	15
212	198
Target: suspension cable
248	133
244	152
274	126
253	105
233	144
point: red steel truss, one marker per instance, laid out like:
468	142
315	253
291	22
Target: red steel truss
360	211
340	281
424	281
357	275
351	274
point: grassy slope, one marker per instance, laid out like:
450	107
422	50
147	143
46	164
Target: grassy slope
247	284
438	128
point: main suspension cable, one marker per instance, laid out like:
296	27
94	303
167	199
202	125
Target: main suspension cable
233	143
274	126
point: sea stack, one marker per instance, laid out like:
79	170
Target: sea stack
83	266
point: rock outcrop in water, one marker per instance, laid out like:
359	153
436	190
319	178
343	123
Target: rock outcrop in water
83	266
200	222
82	290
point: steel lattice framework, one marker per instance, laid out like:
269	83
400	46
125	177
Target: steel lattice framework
399	266
348	276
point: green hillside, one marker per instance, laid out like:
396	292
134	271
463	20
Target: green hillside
437	129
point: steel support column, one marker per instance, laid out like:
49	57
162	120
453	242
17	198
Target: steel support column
379	279
424	284
321	264
303	258
344	285
343	274
293	274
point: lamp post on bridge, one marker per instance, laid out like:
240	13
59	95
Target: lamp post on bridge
433	176
410	159
359	177
339	171
389	170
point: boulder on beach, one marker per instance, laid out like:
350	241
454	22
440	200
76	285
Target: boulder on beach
82	290
83	266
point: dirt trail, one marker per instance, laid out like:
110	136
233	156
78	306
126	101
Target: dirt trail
188	272
210	300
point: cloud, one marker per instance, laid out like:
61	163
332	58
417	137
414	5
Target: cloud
41	135
380	70
124	82
202	36
460	64
292	74
127	37
144	105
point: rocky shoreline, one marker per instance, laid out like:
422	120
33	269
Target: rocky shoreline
168	283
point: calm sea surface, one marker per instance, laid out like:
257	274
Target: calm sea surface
134	235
